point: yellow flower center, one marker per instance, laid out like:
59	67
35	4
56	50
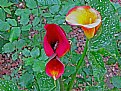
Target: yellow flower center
54	74
86	16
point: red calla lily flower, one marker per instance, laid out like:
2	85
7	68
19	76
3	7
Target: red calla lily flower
55	41
54	68
86	17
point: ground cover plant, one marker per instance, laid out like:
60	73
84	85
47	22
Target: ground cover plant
60	45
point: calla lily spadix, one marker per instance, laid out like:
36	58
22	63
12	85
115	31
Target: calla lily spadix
54	68
55	41
86	17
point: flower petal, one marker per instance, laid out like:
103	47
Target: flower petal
54	68
83	16
88	18
55	35
89	33
48	49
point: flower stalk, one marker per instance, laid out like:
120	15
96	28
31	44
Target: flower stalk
61	84
80	62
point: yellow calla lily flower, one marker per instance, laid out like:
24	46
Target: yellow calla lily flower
86	17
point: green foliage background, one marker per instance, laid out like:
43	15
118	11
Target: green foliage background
15	39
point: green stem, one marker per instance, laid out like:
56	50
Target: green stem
80	62
61	84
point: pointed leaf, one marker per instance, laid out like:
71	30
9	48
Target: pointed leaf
31	4
13	22
2	14
35	52
110	25
8	47
97	64
15	33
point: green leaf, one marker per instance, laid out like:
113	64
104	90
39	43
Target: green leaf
39	66
8	47
14	56
37	27
12	22
49	2
43	56
114	89
26	52
104	52
65	8
26	27
7	10
4	26
35	21
74	43
44	7
116	5
69	71
98	58
31	4
26	80
110	25
22	12
45	82
74	57
58	19
5	3
87	70
66	28
119	11
65	60
6	77
3	42
24	19
5	35
93	88
111	61
97	64
54	9
18	12
2	14
36	40
28	61
15	33
116	80
35	12
20	44
47	15
7	85
35	52
15	43
118	36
